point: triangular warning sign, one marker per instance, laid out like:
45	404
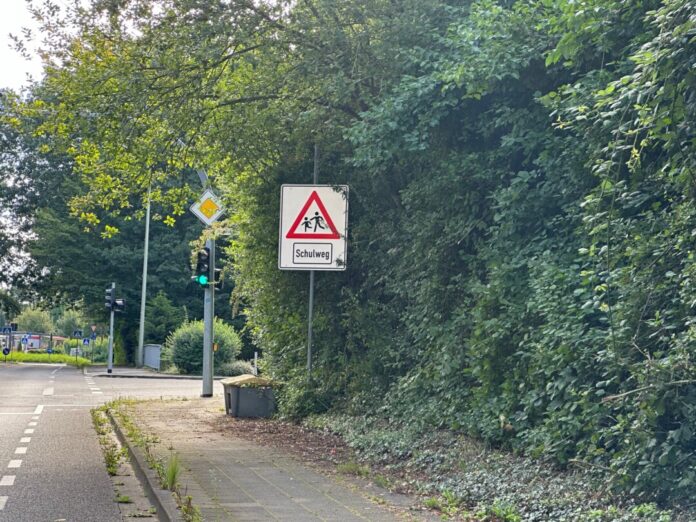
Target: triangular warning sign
313	225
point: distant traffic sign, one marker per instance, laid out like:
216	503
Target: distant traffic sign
49	351
77	333
85	341
25	340
93	336
6	329
208	208
6	351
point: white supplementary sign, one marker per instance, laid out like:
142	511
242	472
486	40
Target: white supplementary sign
208	208
313	227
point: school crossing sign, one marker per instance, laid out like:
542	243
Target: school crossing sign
313	227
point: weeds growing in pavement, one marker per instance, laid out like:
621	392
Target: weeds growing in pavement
111	451
169	474
172	472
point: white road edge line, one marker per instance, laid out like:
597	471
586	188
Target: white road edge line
7	480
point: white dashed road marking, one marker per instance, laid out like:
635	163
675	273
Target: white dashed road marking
25	440
14	464
28	431
7	480
3	501
32	424
48	391
39	409
21	450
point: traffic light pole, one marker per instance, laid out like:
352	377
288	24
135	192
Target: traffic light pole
110	358
208	315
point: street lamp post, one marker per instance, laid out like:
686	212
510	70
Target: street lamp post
143	291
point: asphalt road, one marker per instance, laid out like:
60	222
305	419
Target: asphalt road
51	465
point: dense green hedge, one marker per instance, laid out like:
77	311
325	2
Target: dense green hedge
521	257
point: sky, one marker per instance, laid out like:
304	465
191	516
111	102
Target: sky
13	17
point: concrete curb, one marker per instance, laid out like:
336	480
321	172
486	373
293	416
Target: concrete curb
162	499
147	375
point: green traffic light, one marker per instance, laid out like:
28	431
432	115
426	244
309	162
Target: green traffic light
202	280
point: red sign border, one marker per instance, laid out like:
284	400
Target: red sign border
314	197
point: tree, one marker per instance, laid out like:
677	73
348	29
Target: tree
9	306
35	321
162	318
70	321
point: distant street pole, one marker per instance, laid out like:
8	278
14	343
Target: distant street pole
208	319
208	303
110	358
143	291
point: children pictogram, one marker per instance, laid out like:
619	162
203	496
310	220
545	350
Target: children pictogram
313	221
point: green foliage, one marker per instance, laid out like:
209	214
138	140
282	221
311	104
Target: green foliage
34	320
78	362
172	473
9	307
521	260
70	321
162	318
186	345
235	368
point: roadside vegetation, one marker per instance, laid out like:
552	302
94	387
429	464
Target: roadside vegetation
79	362
522	264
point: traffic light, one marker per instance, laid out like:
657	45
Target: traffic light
109	298
202	276
119	305
217	279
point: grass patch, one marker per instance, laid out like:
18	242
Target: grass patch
499	511
353	468
78	362
124	499
172	472
382	481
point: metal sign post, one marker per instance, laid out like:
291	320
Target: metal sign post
310	311
208	319
208	209
313	234
110	357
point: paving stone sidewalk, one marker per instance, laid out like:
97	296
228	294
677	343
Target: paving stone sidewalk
234	479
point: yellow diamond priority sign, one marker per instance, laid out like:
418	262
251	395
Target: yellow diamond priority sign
208	208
